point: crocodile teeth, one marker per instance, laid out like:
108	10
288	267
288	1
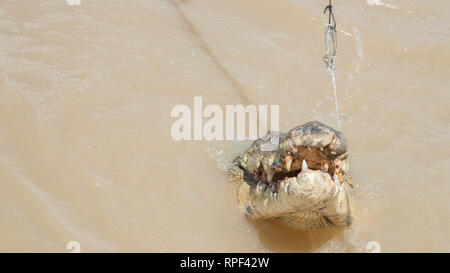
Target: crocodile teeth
334	142
258	187
304	166
288	162
335	178
269	177
286	188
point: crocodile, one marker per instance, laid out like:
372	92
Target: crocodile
303	182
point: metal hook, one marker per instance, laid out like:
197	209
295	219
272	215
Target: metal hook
330	39
330	15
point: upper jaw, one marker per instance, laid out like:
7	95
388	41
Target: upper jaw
318	146
314	135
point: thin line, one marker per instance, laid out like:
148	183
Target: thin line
205	47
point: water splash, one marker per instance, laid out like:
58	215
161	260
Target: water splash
333	81
329	59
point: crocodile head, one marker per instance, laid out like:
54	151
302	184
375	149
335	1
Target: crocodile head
303	183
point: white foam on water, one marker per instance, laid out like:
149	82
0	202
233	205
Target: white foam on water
333	80
379	3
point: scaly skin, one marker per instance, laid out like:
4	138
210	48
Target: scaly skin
287	185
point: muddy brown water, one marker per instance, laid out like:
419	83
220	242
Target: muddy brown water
86	92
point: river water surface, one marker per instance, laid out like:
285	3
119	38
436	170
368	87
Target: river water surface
86	93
